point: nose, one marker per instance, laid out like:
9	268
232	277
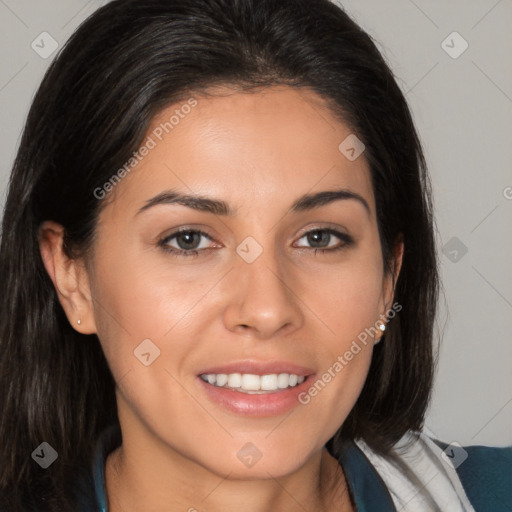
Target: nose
261	300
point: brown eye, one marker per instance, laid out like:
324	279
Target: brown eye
325	240
186	242
319	238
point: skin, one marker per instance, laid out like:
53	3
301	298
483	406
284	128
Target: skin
259	152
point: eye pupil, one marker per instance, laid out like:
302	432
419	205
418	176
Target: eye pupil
319	238
188	240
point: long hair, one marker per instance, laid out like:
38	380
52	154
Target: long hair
125	63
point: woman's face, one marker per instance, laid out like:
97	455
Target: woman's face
275	273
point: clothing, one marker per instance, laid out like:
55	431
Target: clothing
465	479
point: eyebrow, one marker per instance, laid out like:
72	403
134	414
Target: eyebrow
310	201
195	202
219	207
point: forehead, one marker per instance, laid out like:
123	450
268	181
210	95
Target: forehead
273	144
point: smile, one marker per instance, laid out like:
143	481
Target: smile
254	384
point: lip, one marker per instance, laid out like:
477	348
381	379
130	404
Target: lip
256	405
259	368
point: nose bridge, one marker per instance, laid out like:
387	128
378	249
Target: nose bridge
265	280
261	299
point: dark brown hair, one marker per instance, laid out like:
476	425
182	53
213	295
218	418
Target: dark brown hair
124	64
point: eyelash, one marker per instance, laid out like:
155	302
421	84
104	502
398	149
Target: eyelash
347	240
181	252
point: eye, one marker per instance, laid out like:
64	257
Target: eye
186	242
326	239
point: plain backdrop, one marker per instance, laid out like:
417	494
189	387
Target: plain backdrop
453	62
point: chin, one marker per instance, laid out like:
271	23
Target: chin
245	460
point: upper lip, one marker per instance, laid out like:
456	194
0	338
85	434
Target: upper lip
258	368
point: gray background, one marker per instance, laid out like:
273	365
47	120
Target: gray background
463	110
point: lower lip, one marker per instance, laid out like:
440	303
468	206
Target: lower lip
268	404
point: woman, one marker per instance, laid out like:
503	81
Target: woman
219	274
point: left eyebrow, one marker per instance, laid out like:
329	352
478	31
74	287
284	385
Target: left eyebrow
310	201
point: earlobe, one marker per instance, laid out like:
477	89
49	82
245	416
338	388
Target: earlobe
69	278
382	328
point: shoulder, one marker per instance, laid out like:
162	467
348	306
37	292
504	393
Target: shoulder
430	474
485	473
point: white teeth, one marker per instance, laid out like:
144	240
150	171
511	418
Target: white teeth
222	379
282	380
234	380
248	382
268	382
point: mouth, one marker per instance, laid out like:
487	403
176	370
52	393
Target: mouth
253	384
255	388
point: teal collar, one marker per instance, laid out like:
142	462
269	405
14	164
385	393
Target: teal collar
369	492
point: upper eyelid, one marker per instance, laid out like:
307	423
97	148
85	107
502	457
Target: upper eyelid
328	229
343	237
333	231
173	235
178	231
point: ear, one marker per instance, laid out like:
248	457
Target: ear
69	276
388	288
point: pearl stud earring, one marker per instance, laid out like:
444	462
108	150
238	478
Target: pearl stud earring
382	327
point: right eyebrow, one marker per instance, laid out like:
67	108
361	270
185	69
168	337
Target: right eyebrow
195	202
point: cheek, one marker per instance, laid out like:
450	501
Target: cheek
342	305
144	306
142	296
345	297
144	315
